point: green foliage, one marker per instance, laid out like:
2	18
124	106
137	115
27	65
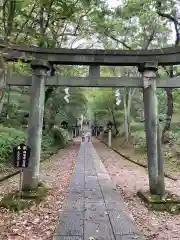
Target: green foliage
57	110
131	25
47	140
137	126
139	137
140	143
9	137
101	105
60	136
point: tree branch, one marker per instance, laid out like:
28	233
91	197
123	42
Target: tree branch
117	40
27	20
48	17
150	39
172	19
11	15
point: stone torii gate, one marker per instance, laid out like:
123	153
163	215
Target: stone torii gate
147	62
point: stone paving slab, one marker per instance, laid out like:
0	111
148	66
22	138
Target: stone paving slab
93	209
95	206
73	202
97	225
68	237
75	189
121	224
70	223
128	237
93	195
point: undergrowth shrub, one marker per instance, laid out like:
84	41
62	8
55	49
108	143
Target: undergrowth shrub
137	126
139	136
9	138
173	136
47	140
60	136
140	144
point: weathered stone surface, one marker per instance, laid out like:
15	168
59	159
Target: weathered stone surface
90	178
70	223
93	209
122	224
92	184
68	238
74	202
17	80
97	206
97	226
129	237
78	189
103	176
166	56
93	195
107	185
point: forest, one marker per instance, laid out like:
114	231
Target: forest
90	24
86	24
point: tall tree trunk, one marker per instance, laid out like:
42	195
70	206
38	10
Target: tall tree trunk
169	112
9	11
114	120
170	73
129	103
127	100
2	94
126	117
126	124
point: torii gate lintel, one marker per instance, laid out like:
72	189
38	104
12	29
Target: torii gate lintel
147	58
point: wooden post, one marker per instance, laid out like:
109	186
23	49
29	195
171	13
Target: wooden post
35	124
71	135
3	75
109	137
152	125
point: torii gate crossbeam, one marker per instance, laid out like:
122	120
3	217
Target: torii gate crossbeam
117	82
147	62
61	56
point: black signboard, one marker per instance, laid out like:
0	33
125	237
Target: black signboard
101	128
109	125
64	124
21	155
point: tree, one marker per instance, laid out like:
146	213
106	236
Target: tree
172	17
48	23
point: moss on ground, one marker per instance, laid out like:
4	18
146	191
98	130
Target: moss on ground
168	203
15	202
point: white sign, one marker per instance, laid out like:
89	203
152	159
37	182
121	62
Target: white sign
66	98
118	97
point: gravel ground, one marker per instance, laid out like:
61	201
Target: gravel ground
38	222
129	178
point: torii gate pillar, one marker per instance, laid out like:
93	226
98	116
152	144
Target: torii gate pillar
153	139
35	124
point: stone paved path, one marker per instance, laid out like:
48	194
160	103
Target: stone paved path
92	209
